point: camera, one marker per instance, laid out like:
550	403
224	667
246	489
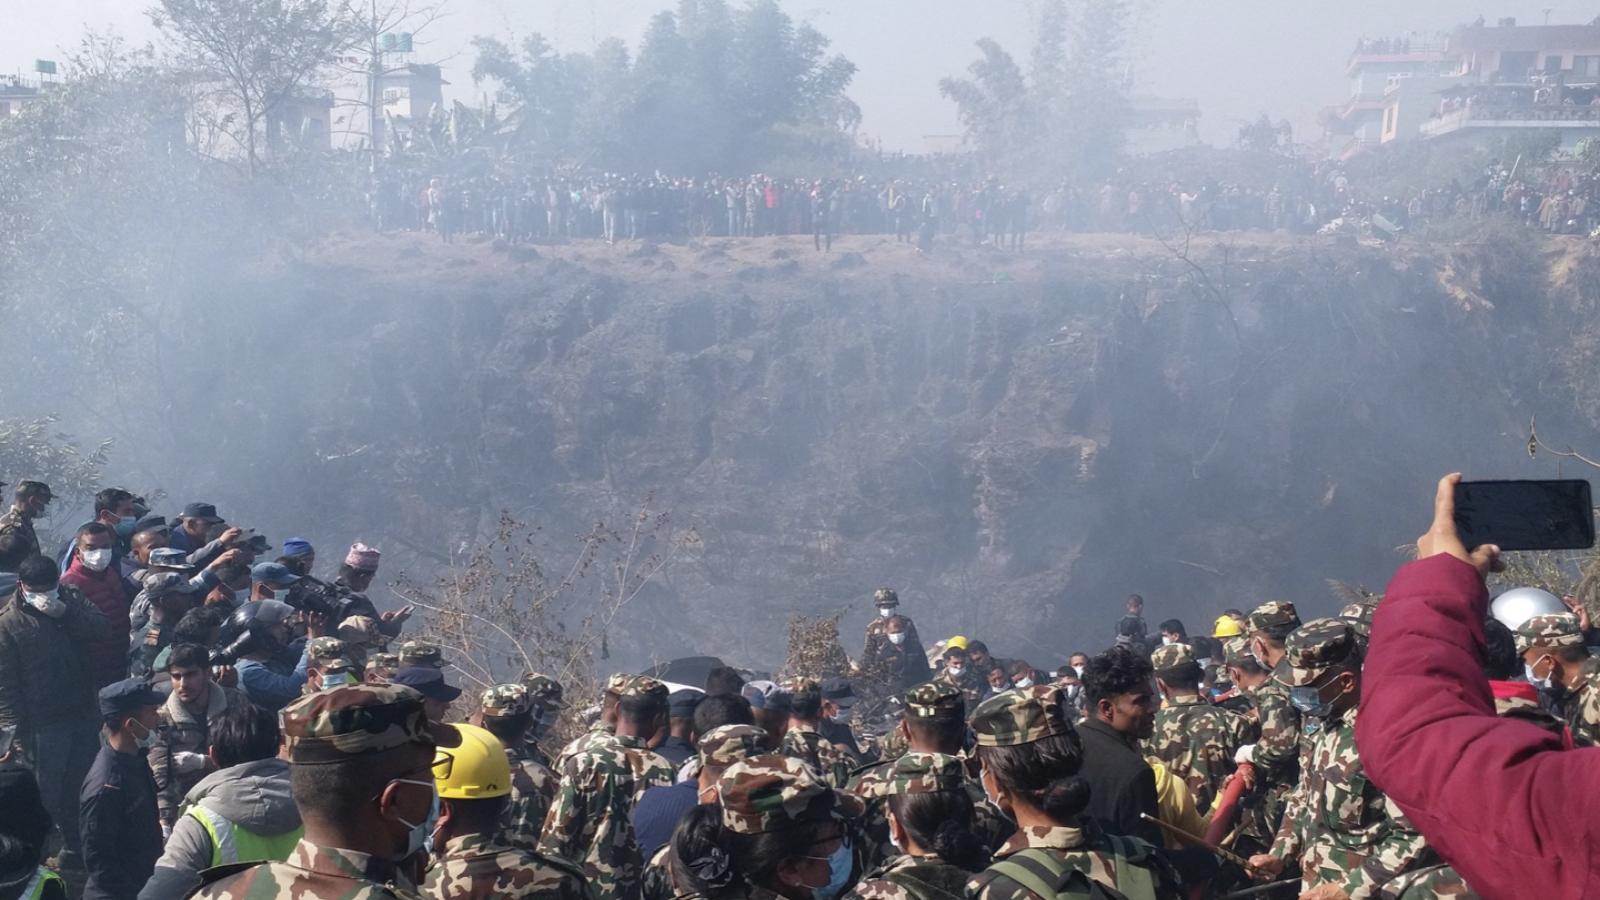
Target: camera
336	602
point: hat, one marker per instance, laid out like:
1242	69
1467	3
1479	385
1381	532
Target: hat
275	574
1236	651
1022	716
765	695
337	724
1275	614
1226	626
360	630
506	700
325	649
615	684
643	686
543	690
770	793
362	558
1171	656
383	661
170	558
682	703
884	597
839	691
728	744
1359	613
128	695
294	548
202	511
150	522
418	653
933	699
957	642
156	585
427	681
800	686
1314	648
926	773
1552	630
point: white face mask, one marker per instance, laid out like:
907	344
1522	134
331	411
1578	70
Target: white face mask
49	602
885	612
1025	683
96	560
955	671
1166	641
897	638
1079	670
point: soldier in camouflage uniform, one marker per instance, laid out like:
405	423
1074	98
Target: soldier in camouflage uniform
1028	735
1552	648
934	723
893	651
355	755
1339	826
1193	739
926	791
1359	615
419	653
604	727
1275	755
475	861
506	711
959	672
17	538
716	750
381	667
326	656
832	761
546	694
591	819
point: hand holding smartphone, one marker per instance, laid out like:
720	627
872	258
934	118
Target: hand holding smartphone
1525	515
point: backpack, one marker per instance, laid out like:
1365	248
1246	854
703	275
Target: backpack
1048	874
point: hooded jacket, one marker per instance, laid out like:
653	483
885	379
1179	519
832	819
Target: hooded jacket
253	796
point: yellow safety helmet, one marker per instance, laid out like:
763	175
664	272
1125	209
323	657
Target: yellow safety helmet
1226	627
957	641
476	770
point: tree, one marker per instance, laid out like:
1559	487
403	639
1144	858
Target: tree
993	102
259	54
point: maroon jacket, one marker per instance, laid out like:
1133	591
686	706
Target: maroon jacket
105	590
1499	799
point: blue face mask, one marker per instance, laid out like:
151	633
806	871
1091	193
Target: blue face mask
124	527
1310	703
840	864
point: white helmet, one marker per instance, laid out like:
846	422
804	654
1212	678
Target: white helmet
1518	605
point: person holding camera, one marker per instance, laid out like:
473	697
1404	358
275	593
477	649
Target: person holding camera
272	664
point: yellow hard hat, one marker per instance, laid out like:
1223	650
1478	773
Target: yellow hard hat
957	641
476	770
1226	627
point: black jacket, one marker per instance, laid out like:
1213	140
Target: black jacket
1121	783
120	825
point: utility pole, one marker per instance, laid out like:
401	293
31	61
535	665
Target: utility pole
375	87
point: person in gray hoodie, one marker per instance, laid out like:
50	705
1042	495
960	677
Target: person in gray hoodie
242	812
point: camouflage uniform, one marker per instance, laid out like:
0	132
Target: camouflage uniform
419	653
595	736
1429	884
591	819
902	664
16	529
1276	756
1129	865
905	877
325	653
1581	706
1338	824
719	748
971	685
1195	740
341	726
382	666
533	787
478	867
874	783
1359	615
832	761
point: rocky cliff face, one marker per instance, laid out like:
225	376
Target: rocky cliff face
1013	443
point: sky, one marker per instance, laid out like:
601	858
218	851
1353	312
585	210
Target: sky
1239	58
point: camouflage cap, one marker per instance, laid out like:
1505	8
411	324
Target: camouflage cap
1552	630
927	773
1171	656
342	723
544	690
885	597
1236	652
643	686
506	700
933	699
772	792
323	649
616	683
418	653
727	744
893	745
361	631
383	661
1316	648
800	687
1275	614
1023	715
1359	612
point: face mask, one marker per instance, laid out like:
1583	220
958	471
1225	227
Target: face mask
955	671
421	835
839	866
841	716
1309	701
337	679
1025	683
96	560
1542	684
49	602
885	612
150	738
1079	670
124	527
1073	690
1167	642
897	638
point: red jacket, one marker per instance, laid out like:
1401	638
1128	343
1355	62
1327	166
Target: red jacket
109	658
1497	798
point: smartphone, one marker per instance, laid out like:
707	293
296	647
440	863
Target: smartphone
1525	515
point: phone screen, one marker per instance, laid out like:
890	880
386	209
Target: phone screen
1525	515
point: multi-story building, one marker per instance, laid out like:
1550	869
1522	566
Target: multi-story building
1378	70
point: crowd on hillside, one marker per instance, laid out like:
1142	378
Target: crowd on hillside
188	711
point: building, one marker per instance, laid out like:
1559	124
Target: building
17	92
301	122
409	94
1378	70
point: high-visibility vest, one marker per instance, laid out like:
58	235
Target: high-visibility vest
231	843
35	888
